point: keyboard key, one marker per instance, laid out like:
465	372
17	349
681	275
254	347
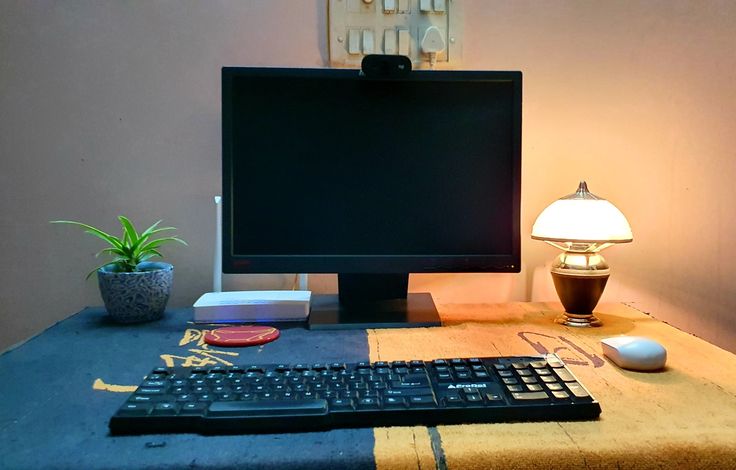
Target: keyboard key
394	402
454	400
341	404
368	404
421	401
411	382
193	408
577	390
267	408
407	392
473	397
554	361
493	397
564	375
154	383
142	399
530	396
135	409
165	408
444	377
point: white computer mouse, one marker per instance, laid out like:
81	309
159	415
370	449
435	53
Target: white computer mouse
635	352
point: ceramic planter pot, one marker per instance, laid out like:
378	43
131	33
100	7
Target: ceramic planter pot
138	296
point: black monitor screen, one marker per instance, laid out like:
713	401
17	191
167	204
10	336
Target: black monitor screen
327	171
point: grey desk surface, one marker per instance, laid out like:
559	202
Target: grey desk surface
57	394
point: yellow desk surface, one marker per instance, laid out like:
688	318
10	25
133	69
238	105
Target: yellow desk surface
682	417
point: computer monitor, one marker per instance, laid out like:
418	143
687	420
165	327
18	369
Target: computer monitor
328	171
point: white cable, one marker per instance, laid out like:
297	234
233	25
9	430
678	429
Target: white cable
217	270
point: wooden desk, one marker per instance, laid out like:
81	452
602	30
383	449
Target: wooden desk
682	417
58	390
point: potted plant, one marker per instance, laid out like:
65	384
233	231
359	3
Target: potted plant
133	288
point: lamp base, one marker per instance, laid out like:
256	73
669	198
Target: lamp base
578	321
579	295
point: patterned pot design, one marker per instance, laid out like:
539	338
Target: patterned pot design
138	296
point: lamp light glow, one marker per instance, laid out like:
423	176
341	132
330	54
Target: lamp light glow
581	224
582	220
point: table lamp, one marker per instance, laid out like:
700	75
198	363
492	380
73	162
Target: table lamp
581	224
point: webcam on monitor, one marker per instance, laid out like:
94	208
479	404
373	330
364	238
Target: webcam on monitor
385	66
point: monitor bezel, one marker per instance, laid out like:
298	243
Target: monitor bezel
426	263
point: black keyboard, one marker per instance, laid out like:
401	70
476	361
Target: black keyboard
302	397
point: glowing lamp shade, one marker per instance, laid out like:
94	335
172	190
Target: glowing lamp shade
581	224
582	220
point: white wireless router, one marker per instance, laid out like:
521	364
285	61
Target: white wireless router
248	306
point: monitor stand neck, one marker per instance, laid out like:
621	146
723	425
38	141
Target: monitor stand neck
372	301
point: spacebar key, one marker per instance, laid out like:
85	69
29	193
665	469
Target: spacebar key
245	409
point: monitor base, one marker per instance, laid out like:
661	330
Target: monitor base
416	311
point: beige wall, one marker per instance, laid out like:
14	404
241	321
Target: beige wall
111	107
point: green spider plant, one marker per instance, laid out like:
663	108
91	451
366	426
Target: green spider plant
130	249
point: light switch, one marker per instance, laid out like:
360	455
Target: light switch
389	41
368	41
428	32
404	42
354	41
